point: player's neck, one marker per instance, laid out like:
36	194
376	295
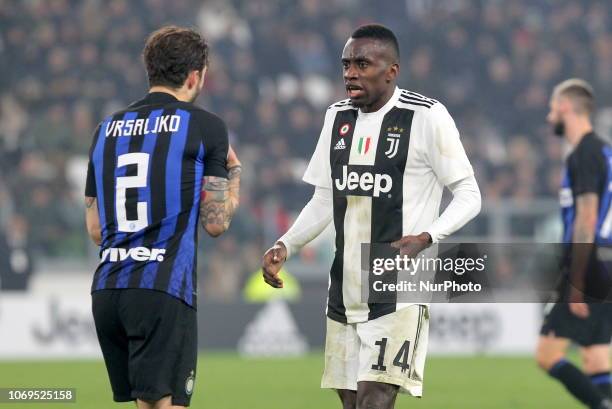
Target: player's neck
179	94
576	130
381	102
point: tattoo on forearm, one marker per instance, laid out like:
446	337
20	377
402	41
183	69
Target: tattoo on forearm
215	184
218	206
89	202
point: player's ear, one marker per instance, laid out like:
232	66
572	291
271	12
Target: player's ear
203	75
392	72
564	104
193	79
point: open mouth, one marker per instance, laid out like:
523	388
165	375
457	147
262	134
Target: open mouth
354	91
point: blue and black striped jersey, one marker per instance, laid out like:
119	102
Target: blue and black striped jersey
588	170
146	167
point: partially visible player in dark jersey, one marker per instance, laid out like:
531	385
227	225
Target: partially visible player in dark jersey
580	313
156	168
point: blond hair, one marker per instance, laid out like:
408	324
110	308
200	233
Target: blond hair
579	92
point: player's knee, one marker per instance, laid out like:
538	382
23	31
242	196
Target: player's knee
547	359
375	395
549	352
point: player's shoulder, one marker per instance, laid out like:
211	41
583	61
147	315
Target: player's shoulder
427	109
590	148
205	117
343	105
418	102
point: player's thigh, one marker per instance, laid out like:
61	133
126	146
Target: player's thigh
113	341
393	349
595	358
341	356
162	332
376	395
164	403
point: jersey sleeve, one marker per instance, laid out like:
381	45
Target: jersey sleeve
90	183
443	148
318	172
587	167
216	146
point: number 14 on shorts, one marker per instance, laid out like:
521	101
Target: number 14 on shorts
401	358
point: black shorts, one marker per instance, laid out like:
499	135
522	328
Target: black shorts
149	342
596	329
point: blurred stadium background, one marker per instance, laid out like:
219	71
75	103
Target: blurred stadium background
274	69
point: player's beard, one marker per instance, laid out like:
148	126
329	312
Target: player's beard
559	128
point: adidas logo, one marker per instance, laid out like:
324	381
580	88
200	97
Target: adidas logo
273	332
340	145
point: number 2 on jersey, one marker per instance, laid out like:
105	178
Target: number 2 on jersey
141	160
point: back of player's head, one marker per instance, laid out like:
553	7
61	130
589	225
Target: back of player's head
171	53
380	33
579	92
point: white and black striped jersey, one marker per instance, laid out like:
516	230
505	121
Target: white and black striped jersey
387	170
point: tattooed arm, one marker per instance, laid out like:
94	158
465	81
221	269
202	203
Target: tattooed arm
220	198
92	220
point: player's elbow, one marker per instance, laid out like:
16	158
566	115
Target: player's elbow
215	230
586	221
472	200
95	235
477	203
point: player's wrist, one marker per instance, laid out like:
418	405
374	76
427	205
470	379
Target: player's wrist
283	247
426	237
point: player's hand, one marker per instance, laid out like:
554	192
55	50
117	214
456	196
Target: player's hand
579	309
411	246
273	261
577	305
232	158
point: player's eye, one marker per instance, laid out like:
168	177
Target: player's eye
363	64
345	65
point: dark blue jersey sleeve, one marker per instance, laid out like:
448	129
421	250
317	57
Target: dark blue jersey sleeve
216	144
587	168
90	183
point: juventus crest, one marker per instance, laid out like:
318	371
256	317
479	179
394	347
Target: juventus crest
393	137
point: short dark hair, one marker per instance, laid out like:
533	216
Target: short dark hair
171	53
378	32
579	92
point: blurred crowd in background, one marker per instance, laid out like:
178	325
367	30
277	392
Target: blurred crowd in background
275	67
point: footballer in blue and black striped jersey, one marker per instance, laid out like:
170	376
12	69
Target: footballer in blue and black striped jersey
579	312
588	170
157	169
146	168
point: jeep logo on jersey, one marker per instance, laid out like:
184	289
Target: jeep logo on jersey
137	254
363	183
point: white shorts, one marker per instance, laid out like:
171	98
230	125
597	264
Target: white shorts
390	349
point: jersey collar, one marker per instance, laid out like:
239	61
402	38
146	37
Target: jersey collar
385	108
159	97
